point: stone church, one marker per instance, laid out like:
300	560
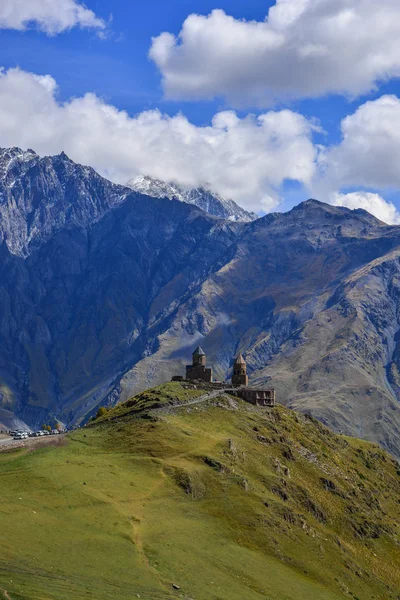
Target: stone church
198	370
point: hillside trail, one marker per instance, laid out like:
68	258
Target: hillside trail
138	536
137	525
5	594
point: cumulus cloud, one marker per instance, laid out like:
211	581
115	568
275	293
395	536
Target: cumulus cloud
50	16
245	159
373	203
368	154
304	48
365	161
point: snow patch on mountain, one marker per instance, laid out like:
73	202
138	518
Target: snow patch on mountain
203	198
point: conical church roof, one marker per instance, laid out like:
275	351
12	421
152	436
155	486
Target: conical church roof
199	351
240	360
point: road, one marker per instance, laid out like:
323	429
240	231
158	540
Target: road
8	443
5	440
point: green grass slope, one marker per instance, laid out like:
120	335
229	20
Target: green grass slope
225	500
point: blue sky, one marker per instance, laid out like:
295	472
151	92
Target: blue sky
119	70
116	67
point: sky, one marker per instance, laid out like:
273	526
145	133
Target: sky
265	102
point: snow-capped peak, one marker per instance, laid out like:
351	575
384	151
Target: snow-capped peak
10	156
157	188
204	198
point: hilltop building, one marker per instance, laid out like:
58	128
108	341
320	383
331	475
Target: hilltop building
257	397
240	372
199	373
198	370
253	396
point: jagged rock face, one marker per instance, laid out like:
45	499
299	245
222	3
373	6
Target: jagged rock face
105	292
40	196
208	201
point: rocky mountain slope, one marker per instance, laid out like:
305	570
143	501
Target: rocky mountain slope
208	201
41	196
215	500
82	262
104	292
311	298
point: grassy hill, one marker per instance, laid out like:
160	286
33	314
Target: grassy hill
221	499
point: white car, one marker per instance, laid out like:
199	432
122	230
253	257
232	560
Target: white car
21	436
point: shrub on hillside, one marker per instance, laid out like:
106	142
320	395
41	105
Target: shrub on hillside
101	412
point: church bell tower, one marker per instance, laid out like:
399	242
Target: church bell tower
239	377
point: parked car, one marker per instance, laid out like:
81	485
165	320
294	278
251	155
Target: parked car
21	436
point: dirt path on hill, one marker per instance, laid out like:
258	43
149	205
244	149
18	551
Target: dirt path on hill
137	533
140	509
5	594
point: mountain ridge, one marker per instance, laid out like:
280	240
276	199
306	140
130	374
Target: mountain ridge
31	215
203	198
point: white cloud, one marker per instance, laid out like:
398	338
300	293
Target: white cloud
373	203
369	152
304	48
366	158
50	16
245	159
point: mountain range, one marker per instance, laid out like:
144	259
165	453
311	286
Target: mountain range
105	291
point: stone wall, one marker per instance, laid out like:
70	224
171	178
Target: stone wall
199	373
